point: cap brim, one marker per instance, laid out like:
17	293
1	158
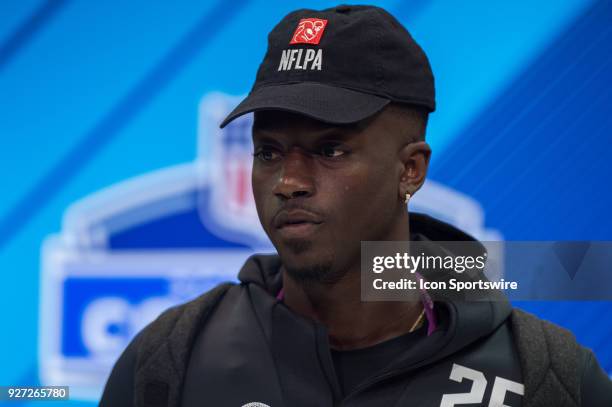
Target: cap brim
326	103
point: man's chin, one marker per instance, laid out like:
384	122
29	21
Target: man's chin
295	248
311	273
305	266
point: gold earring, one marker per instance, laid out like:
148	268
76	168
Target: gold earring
407	197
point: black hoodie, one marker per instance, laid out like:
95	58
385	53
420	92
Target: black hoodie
253	349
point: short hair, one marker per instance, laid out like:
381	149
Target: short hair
412	118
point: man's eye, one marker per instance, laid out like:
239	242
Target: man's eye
266	155
332	151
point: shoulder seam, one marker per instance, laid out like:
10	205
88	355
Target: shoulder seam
549	328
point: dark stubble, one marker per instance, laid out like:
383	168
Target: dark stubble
319	272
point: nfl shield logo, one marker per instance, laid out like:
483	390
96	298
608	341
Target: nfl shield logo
225	161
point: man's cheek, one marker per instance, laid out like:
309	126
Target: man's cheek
264	209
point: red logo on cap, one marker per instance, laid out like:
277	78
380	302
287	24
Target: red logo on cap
309	31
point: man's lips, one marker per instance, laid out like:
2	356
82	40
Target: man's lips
296	223
295	217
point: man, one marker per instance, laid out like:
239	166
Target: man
341	103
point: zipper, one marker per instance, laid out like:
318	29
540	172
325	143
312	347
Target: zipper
406	369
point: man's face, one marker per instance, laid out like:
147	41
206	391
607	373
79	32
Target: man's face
321	189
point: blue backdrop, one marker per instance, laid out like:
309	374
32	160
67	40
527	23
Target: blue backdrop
95	93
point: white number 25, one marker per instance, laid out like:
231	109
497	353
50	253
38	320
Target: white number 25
479	384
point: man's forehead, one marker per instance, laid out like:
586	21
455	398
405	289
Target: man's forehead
272	119
283	122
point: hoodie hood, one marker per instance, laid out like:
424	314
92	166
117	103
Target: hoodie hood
465	321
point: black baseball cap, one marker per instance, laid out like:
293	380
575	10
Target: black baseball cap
339	65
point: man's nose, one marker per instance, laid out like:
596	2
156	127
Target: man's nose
295	176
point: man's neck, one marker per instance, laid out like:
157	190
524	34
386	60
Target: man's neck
351	323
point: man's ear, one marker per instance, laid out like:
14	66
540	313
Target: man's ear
414	162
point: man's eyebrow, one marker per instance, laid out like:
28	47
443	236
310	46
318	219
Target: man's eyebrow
335	134
257	138
331	133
